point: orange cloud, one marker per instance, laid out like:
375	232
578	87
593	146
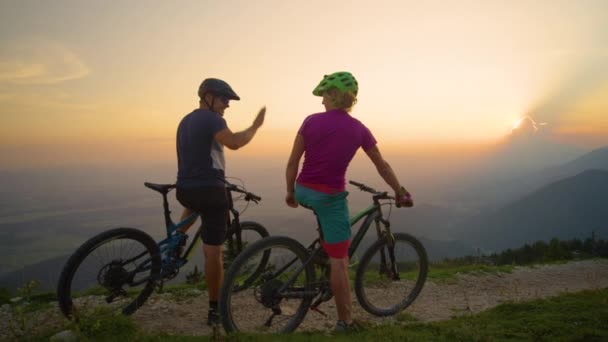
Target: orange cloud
36	61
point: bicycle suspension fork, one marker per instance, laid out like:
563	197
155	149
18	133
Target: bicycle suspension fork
234	228
388	267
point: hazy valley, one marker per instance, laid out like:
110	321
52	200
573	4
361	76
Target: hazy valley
46	214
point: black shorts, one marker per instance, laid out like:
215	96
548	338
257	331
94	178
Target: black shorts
212	204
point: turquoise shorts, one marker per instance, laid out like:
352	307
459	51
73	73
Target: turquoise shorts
332	211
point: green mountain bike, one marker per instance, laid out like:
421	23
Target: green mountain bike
388	278
119	268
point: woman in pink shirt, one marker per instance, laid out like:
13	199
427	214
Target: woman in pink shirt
329	141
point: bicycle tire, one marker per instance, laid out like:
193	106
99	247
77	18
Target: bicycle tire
245	299
372	289
258	229
67	285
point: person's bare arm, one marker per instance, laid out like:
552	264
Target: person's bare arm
234	141
402	196
292	169
383	167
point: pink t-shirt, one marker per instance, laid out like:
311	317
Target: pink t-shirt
331	140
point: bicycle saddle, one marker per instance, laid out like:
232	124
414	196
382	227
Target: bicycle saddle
162	188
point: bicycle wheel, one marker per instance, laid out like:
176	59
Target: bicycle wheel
389	278
115	270
275	301
250	233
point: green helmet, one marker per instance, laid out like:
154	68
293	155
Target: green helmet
341	80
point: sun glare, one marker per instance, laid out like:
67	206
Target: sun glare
517	123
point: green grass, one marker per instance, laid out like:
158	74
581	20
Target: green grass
185	290
442	272
101	325
40	301
438	272
5	296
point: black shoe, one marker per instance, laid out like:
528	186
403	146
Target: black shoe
343	327
213	318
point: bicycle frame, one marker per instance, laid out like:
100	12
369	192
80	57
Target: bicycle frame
371	213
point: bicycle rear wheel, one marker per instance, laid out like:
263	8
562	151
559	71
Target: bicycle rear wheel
391	275
277	299
115	270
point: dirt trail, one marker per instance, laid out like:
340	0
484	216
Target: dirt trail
467	293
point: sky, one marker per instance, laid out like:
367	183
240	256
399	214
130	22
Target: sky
107	82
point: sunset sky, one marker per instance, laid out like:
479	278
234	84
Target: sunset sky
98	81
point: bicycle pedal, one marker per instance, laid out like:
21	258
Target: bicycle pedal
316	309
326	295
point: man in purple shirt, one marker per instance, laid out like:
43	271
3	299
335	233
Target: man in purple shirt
329	141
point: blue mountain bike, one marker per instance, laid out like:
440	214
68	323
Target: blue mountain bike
119	268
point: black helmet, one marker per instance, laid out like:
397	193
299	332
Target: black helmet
217	87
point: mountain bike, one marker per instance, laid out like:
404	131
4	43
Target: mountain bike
119	268
388	278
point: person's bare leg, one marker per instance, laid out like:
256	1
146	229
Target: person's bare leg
340	287
214	270
185	214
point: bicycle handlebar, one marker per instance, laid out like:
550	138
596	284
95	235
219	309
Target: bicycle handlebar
363	187
377	194
249	196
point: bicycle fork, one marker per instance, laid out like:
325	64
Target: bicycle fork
387	267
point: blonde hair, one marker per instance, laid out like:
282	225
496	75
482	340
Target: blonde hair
342	100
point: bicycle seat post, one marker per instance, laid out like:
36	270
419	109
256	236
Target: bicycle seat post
168	222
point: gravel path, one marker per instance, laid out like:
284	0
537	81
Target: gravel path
468	293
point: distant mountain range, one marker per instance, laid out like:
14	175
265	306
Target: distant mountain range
594	160
511	173
569	208
517	188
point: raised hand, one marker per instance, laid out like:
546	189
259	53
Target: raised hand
259	119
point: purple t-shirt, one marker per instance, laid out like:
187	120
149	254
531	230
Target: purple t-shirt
331	140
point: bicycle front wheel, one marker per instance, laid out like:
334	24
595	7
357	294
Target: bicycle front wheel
250	232
115	270
277	299
391	274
